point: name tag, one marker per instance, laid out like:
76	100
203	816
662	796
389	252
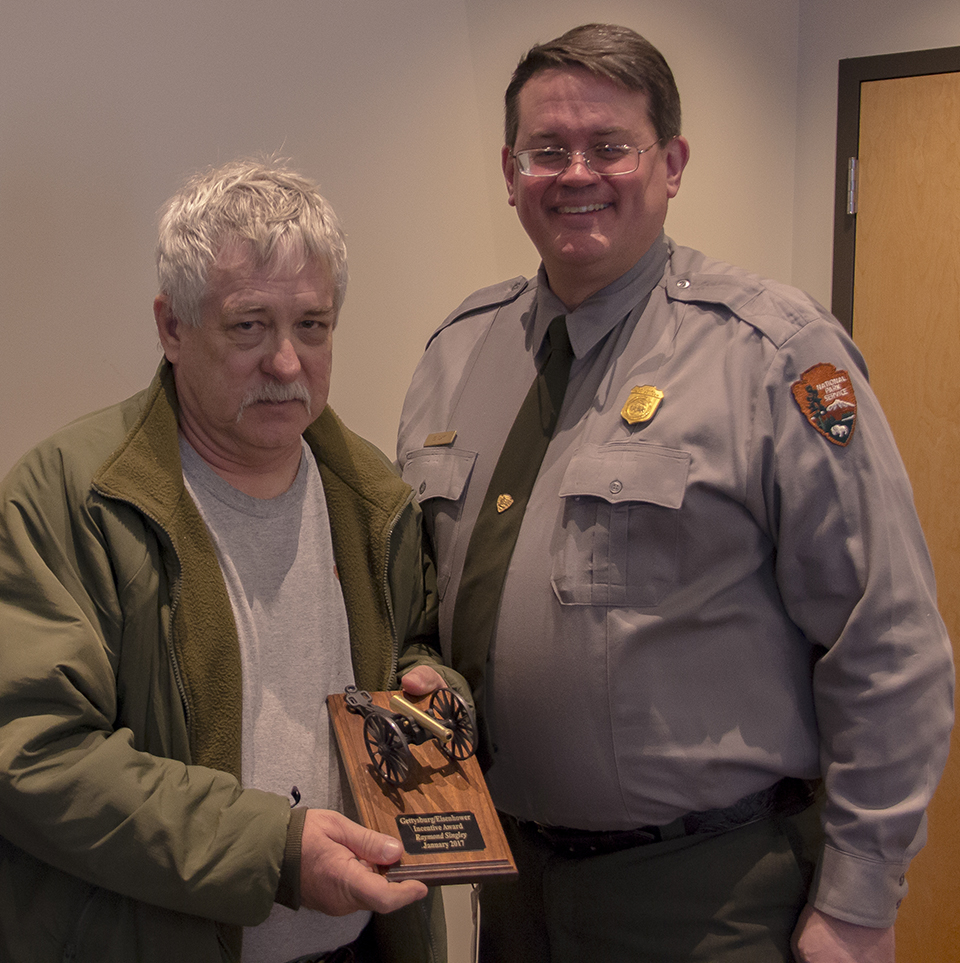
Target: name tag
439	438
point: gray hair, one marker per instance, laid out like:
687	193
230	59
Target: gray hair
275	212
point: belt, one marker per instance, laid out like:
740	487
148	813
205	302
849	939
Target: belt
785	798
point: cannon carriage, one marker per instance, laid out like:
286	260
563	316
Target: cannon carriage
389	733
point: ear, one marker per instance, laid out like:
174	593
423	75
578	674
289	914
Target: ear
677	154
509	174
168	328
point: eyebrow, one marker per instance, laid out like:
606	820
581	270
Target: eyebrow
604	132
254	306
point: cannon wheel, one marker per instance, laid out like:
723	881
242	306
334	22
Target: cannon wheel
451	709
387	748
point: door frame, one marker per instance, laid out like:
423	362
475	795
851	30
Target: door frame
852	73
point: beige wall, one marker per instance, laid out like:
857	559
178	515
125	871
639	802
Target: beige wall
104	106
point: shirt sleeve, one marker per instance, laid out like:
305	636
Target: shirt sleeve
854	574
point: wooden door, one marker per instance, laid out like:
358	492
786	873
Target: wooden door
906	320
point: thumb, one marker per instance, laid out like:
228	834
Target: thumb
366	844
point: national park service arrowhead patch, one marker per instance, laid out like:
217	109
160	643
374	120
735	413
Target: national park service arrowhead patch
826	397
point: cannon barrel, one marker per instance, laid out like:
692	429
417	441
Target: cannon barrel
400	705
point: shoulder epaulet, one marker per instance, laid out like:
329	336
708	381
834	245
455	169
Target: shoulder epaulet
776	310
493	296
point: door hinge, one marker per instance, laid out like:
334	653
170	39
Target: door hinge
852	185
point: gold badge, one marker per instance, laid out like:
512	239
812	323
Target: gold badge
642	404
826	397
504	502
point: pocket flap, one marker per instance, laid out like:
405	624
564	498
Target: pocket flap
628	472
438	472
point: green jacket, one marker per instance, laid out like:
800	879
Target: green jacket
125	834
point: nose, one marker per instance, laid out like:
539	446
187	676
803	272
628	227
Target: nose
577	171
282	361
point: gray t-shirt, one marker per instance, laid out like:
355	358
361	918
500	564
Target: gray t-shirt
277	560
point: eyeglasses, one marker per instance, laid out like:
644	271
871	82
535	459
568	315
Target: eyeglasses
606	159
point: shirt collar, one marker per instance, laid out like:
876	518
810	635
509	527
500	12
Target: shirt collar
593	320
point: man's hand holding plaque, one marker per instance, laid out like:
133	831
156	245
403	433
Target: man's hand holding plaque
409	760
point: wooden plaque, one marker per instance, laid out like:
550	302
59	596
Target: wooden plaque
442	813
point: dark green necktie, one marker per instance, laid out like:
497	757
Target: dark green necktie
495	532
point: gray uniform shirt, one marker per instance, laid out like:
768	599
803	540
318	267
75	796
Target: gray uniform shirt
704	602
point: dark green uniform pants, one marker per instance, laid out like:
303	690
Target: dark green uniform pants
729	898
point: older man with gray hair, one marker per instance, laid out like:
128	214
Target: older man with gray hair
183	578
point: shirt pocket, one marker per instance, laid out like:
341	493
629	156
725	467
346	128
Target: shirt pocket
620	524
438	477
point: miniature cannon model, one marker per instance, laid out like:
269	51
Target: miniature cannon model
388	735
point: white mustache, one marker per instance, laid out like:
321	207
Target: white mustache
275	392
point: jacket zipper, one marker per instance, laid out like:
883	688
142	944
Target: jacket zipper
385	585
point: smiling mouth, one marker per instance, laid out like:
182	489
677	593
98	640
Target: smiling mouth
582	208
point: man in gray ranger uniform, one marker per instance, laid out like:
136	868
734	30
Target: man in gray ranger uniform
714	684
